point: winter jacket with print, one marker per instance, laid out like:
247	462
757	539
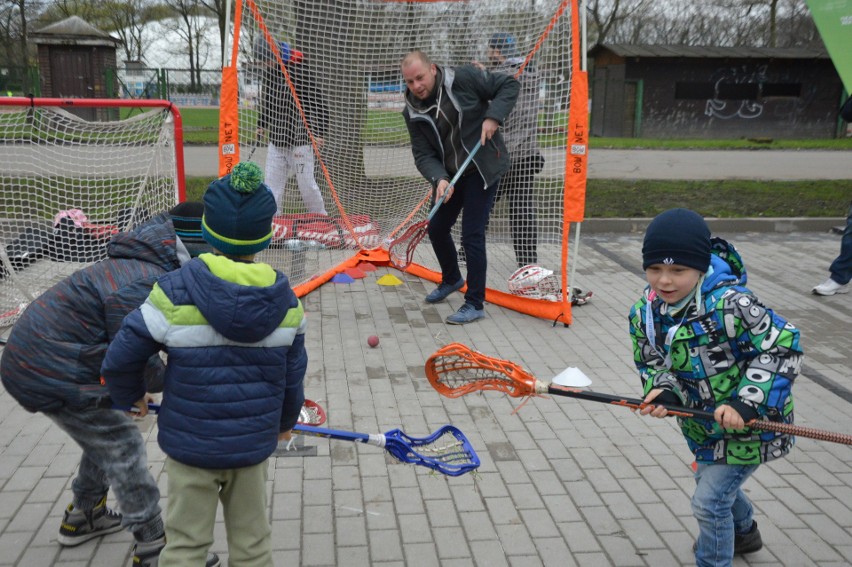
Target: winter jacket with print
732	350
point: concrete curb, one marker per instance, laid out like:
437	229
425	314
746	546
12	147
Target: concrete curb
782	225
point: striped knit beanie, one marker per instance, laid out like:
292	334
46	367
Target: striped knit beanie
238	211
186	218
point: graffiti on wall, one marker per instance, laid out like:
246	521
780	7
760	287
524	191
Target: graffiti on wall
725	108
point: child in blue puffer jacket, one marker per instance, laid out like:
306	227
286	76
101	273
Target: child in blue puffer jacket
701	339
234	333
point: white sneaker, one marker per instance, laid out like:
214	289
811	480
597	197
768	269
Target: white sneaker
830	287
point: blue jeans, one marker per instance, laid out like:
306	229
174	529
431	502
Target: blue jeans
722	509
841	268
473	202
114	455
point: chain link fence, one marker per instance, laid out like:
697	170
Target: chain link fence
183	87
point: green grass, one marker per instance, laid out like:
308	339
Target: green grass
725	144
607	198
612	198
386	127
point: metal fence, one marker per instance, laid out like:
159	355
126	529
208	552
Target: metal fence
183	87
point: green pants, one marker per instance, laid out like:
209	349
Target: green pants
193	498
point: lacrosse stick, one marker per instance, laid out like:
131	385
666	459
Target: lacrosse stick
456	370
447	450
310	414
401	249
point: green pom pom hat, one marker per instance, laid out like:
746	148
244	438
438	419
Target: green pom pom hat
238	211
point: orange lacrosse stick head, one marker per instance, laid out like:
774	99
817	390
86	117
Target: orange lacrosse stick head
456	370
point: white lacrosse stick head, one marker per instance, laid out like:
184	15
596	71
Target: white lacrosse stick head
535	282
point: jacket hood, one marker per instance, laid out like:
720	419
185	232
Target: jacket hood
153	241
241	313
726	265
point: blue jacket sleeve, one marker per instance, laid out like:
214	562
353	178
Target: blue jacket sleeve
126	358
294	395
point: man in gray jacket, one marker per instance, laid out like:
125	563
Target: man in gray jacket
447	111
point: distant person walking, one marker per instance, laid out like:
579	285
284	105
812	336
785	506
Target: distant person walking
841	267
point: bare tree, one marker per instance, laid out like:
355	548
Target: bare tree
219	8
755	23
127	19
190	24
608	15
16	17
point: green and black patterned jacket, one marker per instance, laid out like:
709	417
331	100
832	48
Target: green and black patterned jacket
732	350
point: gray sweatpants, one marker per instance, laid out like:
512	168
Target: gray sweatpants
114	456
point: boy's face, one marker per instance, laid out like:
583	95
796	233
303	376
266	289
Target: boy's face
672	282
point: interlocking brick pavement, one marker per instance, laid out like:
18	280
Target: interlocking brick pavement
562	482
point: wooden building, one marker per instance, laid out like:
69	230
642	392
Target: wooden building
667	91
76	60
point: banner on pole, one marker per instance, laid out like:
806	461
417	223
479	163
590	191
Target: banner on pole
833	19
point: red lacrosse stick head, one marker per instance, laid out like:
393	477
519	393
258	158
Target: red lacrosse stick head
401	249
456	370
311	414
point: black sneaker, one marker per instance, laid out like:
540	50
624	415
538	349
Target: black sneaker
79	526
147	554
748	542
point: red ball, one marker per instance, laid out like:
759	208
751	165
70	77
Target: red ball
373	341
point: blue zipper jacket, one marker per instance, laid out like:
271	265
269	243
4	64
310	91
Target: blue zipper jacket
732	350
234	334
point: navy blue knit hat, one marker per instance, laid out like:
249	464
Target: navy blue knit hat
504	43
238	211
677	236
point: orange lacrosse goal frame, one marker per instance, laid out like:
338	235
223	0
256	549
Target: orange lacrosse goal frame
258	21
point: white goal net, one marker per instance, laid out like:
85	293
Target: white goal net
319	96
73	173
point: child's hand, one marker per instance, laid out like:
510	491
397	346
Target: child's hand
728	417
141	406
288	437
650	409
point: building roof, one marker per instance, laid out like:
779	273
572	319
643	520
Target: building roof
709	52
74	30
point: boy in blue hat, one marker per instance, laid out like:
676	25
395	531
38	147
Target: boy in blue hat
234	331
703	340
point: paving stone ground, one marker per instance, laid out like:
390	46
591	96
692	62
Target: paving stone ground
563	482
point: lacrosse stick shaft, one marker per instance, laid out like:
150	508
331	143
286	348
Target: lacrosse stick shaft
455	179
317	417
679	411
377	440
634	403
416	232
